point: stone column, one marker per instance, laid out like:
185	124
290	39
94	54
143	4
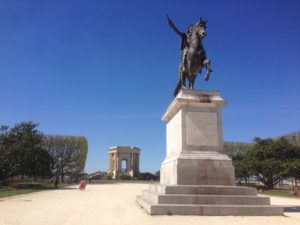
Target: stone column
133	162
137	163
117	163
195	141
113	162
109	162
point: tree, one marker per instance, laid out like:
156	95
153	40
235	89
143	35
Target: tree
293	138
8	166
236	148
22	152
242	167
269	159
237	151
28	143
68	154
292	169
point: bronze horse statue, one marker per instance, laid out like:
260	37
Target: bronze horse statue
194	55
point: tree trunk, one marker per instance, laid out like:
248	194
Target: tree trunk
280	183
56	179
269	183
62	178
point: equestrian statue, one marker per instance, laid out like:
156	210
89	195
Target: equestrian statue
193	56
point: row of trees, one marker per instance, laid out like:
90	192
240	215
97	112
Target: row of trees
21	152
269	160
25	151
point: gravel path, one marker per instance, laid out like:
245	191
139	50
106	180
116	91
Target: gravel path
114	204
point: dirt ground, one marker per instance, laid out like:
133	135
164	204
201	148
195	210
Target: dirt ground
109	204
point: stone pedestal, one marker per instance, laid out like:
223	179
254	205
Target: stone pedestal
195	141
197	178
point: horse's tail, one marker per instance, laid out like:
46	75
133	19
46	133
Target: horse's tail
177	89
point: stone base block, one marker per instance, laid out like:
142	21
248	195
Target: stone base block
199	169
209	210
206	200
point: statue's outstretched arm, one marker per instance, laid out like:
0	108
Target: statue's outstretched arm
171	24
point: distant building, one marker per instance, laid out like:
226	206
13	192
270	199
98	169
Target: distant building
123	159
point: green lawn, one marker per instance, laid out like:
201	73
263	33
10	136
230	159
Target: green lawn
274	192
280	192
24	188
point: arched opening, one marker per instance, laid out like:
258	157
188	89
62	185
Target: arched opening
124	165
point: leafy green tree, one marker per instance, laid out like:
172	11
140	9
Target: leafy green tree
293	138
242	167
8	165
236	148
269	159
292	169
237	151
22	152
28	144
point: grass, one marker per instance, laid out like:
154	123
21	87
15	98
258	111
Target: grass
280	192
25	188
273	192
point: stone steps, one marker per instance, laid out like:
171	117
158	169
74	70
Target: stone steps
209	210
206	200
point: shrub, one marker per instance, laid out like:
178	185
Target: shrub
106	176
124	176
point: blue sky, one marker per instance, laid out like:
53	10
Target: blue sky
107	69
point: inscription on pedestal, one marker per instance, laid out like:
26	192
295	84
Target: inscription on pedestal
202	128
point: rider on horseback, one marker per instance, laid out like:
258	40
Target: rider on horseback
185	44
193	57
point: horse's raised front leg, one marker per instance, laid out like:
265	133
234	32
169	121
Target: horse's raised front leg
206	63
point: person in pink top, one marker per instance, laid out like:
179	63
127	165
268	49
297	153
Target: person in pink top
82	185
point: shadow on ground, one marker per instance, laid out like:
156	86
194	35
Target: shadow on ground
294	208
